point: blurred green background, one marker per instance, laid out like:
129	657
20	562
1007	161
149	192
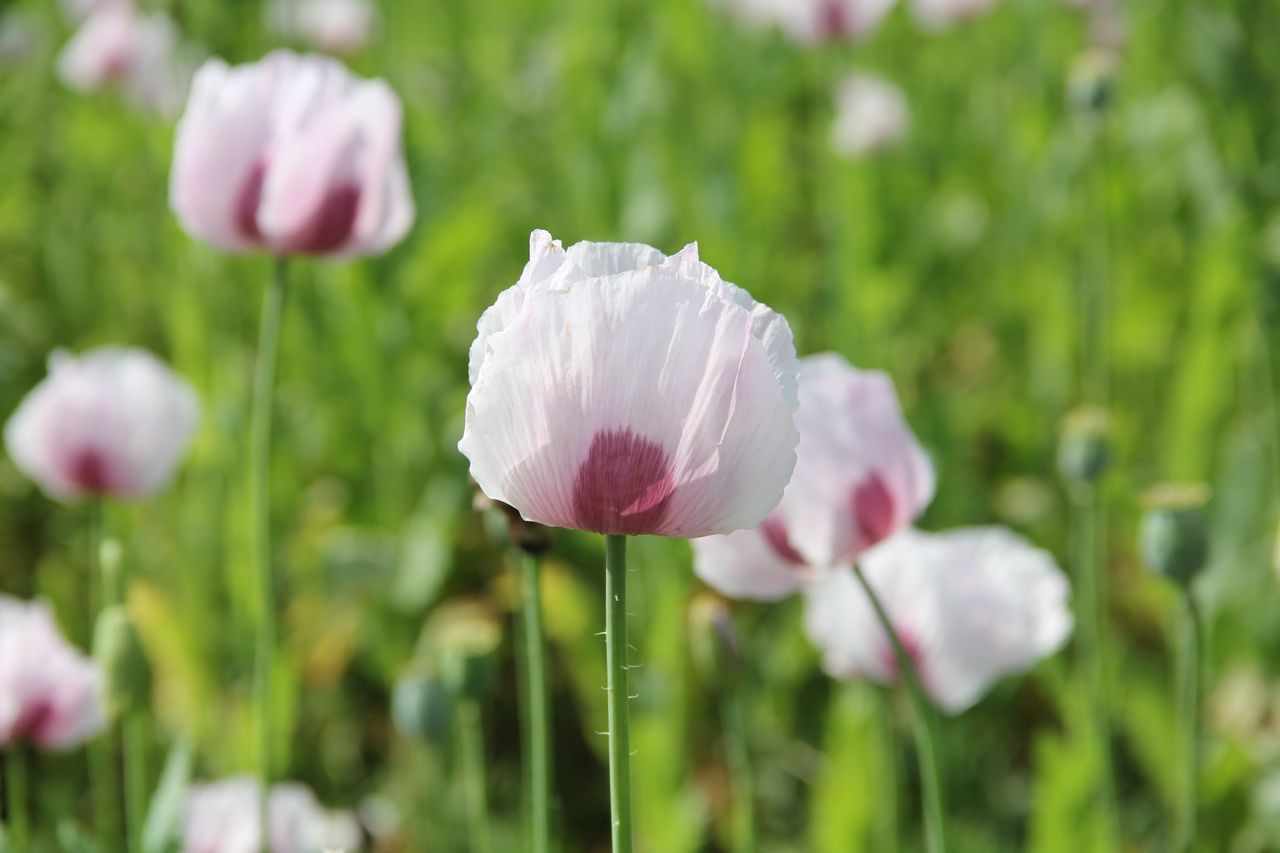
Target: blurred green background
964	262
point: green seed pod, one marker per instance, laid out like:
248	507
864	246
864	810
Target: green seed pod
714	646
421	708
1084	452
465	637
126	673
1091	83
1174	535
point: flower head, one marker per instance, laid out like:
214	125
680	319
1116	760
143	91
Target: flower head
117	46
939	14
334	26
618	390
970	605
113	421
871	113
809	21
224	817
292	154
50	694
860	477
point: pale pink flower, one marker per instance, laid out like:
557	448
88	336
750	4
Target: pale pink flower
50	694
871	113
77	10
618	390
938	14
113	421
118	47
292	154
225	817
809	21
970	606
860	477
334	26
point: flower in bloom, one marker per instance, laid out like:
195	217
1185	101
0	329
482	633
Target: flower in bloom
970	605
50	694
225	817
938	14
77	10
113	421
809	21
618	390
292	154
871	113
335	26
140	54
860	477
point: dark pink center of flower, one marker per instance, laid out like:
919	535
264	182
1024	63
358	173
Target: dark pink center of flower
87	470
873	511
32	722
624	486
835	21
247	202
775	533
331	224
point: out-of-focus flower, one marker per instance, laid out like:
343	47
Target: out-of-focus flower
618	390
334	26
225	817
77	10
871	113
810	21
969	605
113	421
938	14
860	477
292	154
50	694
116	46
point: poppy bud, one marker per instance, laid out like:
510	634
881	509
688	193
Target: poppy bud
1091	84
465	640
1084	453
126	675
1174	536
715	648
420	708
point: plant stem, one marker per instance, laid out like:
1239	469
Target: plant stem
538	731
1191	663
927	740
260	516
1090	577
15	797
738	754
135	777
615	639
102	782
471	743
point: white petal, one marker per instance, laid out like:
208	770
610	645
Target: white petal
745	565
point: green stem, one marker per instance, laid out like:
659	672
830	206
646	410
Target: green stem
471	743
102	782
615	640
538	731
15	796
739	758
135	777
1191	664
260	516
926	733
1086	521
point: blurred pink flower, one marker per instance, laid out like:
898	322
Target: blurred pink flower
77	10
293	154
871	113
224	817
810	21
938	14
618	390
334	26
860	477
113	421
970	605
50	694
116	46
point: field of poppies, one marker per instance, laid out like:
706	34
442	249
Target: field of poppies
669	425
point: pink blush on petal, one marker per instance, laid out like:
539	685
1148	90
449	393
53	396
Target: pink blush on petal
835	20
330	226
889	658
87	471
775	533
873	511
624	486
247	201
32	722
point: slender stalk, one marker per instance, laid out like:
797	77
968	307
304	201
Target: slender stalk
615	639
471	743
135	777
925	724
260	515
17	833
1190	700
538	730
102	782
739	758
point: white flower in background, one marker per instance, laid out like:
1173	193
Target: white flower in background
871	113
50	693
225	817
938	14
118	47
618	390
970	605
860	477
809	21
113	421
334	26
77	10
